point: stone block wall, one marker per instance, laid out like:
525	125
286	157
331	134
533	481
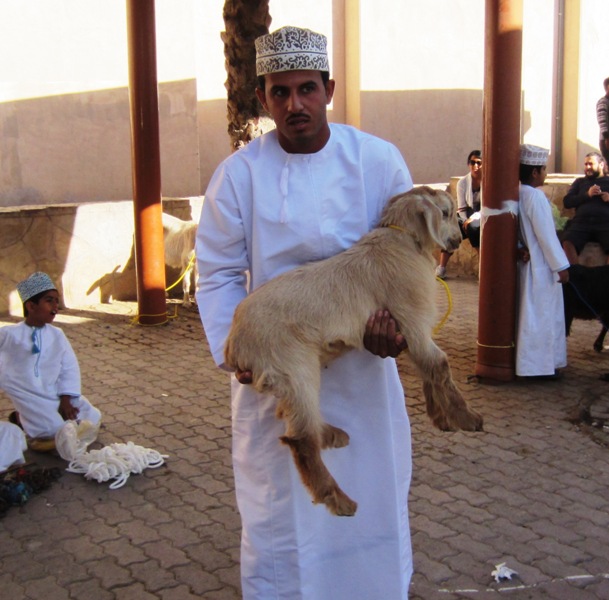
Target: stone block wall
87	249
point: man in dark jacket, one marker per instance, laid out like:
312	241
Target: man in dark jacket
589	196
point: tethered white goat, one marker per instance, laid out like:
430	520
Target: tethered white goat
179	240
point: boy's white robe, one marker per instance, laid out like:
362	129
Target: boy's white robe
541	345
308	207
34	382
12	445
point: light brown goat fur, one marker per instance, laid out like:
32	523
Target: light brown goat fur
290	327
179	243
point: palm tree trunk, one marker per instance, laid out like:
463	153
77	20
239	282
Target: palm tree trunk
244	21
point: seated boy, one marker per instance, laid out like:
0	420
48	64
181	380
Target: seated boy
38	368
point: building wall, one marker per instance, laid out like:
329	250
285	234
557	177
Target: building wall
411	72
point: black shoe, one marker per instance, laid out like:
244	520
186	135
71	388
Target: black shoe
14	419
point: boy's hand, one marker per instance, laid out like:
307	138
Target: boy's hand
66	410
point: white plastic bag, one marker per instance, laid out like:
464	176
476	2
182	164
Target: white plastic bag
74	438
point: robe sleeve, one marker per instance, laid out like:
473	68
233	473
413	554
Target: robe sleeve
68	382
462	186
400	180
222	261
539	214
574	197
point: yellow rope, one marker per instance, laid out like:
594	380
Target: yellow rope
192	259
448	310
136	320
486	346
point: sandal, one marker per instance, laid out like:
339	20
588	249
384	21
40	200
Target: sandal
14	419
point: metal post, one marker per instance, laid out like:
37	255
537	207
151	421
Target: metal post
502	93
147	206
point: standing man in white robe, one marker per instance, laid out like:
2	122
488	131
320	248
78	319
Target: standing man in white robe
541	345
300	193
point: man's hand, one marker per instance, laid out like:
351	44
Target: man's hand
382	337
66	410
523	254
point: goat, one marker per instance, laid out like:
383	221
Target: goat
327	305
586	296
179	241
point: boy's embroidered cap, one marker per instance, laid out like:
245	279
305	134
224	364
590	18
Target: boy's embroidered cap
533	155
291	49
35	284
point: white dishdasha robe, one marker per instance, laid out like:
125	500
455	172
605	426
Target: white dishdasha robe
12	445
541	345
34	382
265	212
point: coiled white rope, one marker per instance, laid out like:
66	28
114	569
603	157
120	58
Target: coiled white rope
115	461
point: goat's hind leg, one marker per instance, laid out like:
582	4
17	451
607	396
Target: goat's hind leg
306	434
186	286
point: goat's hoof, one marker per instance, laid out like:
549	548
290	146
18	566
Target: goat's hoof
334	437
598	347
469	420
339	504
473	421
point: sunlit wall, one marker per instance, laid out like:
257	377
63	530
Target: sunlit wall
64	107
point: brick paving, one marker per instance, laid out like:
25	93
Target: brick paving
530	491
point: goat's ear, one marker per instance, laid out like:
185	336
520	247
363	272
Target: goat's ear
433	219
427	221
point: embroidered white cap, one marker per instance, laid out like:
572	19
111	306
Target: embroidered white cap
533	155
291	49
35	284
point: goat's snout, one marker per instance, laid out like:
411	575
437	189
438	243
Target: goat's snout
453	243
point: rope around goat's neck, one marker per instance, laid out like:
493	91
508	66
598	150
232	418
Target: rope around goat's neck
190	262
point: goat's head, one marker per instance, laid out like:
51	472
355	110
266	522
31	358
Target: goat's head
428	215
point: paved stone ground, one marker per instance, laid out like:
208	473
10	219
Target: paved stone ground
530	491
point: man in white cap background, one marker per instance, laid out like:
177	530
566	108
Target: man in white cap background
301	193
589	196
39	371
541	346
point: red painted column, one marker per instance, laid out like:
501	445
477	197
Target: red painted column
145	157
498	274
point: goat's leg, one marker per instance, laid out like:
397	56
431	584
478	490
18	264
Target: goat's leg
306	433
316	477
186	286
333	437
600	340
445	404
